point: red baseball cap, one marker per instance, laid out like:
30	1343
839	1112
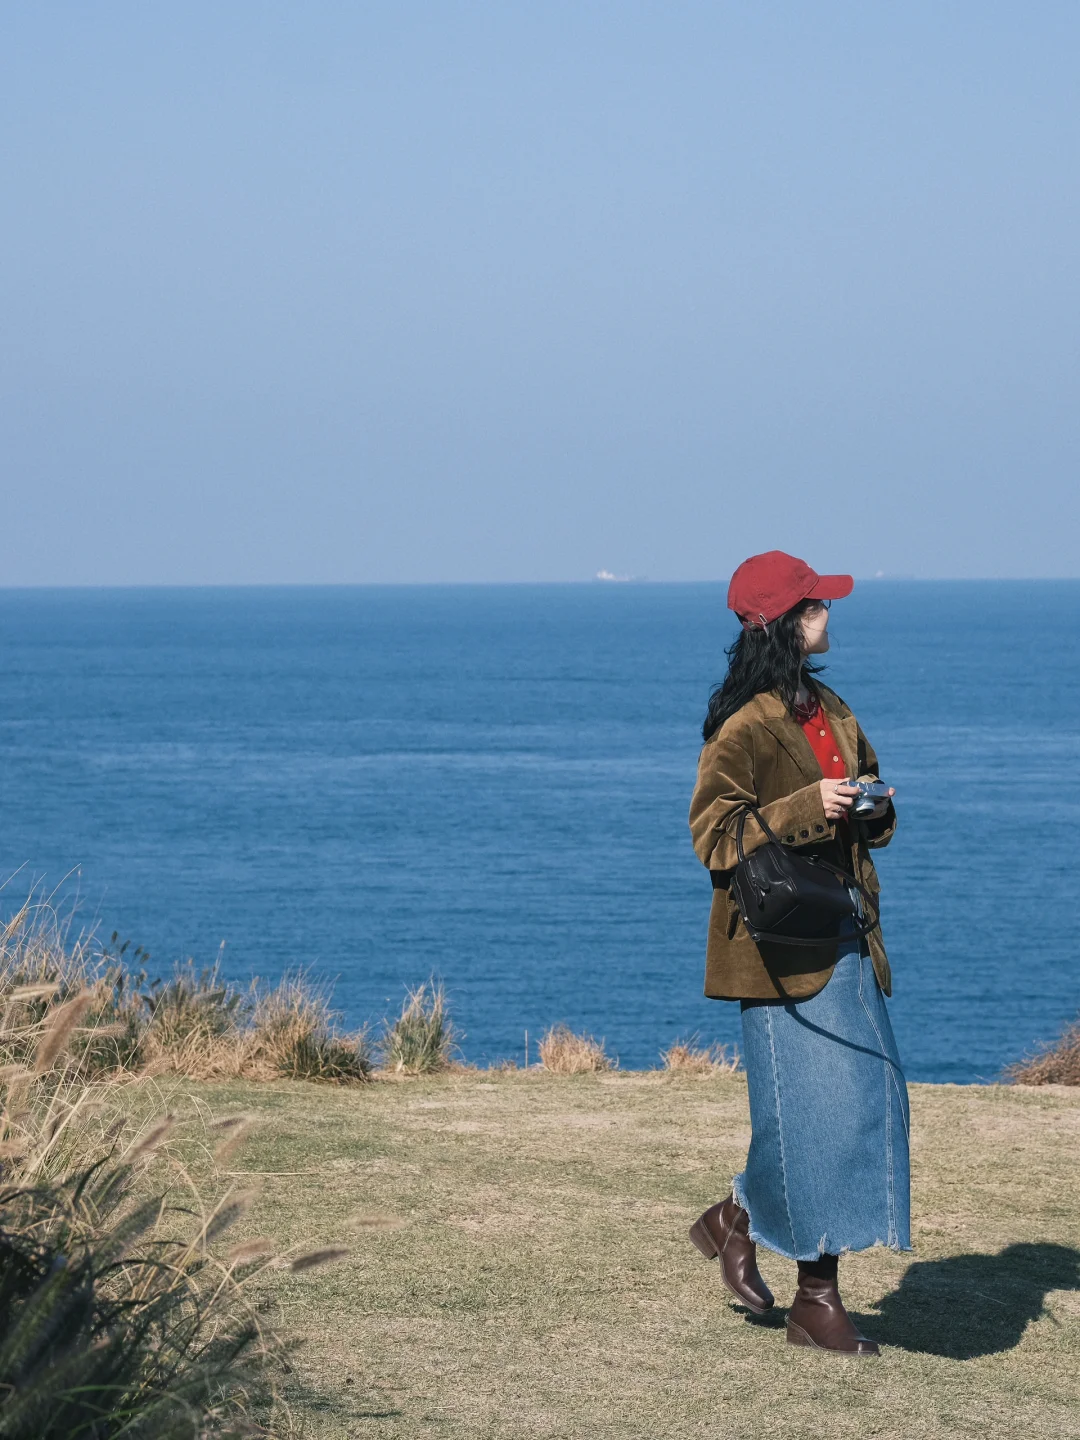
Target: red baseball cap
764	586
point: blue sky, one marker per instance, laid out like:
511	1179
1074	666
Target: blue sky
335	292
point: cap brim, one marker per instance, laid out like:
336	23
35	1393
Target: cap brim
831	587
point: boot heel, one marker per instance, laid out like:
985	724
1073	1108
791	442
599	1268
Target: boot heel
703	1240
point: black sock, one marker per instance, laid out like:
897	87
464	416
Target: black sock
824	1268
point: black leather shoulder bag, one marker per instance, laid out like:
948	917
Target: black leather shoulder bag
796	899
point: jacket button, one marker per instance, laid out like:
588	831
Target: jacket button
803	834
819	828
789	839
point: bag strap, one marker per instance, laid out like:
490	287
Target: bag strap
741	826
870	906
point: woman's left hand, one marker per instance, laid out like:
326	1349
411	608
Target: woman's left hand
880	810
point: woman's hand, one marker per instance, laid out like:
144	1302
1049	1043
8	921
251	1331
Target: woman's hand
882	806
837	797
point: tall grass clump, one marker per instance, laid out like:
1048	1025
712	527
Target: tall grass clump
109	1326
40	969
422	1039
118	1316
564	1052
194	1009
293	1035
205	1030
1059	1064
687	1057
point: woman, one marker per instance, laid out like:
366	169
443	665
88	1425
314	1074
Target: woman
827	1169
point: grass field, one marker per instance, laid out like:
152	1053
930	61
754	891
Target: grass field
520	1265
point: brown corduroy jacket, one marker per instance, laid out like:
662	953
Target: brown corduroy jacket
761	757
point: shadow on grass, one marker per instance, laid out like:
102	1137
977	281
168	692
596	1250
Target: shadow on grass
342	1406
971	1305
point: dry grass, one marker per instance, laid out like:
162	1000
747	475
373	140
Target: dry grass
294	1036
540	1281
108	1020
565	1053
1058	1065
690	1058
284	1033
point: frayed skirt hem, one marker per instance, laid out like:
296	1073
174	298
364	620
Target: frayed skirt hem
828	1245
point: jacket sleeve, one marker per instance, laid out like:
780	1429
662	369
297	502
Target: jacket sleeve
725	789
878	832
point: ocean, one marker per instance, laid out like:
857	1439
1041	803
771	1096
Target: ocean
489	785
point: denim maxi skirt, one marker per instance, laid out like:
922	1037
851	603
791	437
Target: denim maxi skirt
828	1164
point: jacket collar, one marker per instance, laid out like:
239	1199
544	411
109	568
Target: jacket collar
773	714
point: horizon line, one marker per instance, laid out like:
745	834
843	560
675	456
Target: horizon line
593	582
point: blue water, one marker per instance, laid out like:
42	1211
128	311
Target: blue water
491	783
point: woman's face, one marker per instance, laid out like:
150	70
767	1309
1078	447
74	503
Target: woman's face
815	628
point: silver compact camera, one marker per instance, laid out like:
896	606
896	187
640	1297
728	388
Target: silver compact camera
871	793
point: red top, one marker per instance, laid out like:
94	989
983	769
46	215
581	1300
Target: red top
826	751
823	743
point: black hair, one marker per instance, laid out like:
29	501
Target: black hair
760	660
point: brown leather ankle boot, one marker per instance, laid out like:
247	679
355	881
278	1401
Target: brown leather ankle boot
817	1316
723	1233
